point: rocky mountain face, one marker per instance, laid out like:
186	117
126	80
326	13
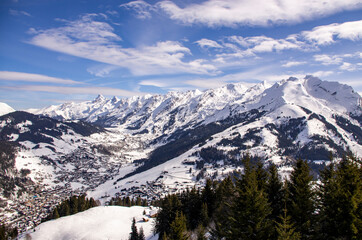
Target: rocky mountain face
151	145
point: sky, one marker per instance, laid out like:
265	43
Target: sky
56	51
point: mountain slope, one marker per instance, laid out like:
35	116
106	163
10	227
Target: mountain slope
306	118
111	222
152	145
297	112
5	109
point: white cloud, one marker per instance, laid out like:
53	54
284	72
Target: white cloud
348	67
143	10
19	13
156	83
266	44
269	44
207	43
31	77
293	64
327	59
324	35
254	12
101	70
340	60
76	90
321	74
97	41
238	47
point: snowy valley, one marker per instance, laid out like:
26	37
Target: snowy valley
157	144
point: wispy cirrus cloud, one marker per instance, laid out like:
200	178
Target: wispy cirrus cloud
142	9
236	47
75	90
326	59
96	40
346	62
101	70
293	64
19	13
232	13
267	44
207	43
32	77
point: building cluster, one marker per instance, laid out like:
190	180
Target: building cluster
28	213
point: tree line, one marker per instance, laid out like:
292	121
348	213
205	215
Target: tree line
258	205
128	202
71	206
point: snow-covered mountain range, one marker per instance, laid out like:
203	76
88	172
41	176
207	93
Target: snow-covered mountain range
155	144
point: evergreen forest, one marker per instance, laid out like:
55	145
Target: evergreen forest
258	205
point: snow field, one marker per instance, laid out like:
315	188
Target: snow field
98	223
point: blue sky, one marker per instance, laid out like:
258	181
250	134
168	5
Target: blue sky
53	51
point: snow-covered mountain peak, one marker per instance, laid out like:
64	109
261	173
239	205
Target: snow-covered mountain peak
169	112
5	109
99	98
340	97
115	99
318	96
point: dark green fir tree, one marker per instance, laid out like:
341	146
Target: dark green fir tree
134	232
301	199
251	210
285	229
141	234
178	229
340	197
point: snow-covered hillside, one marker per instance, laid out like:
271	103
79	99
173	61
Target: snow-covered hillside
5	109
110	222
293	118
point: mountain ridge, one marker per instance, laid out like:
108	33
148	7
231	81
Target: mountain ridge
156	144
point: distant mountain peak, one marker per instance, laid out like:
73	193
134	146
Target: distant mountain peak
99	98
5	109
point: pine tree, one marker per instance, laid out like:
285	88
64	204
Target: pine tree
74	205
261	175
341	200
301	199
178	230
201	233
285	228
208	197
139	201
204	218
191	207
141	234
224	198
276	196
327	192
169	206
56	214
134	233
251	210
164	236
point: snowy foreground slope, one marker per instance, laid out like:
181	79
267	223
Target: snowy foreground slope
110	222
